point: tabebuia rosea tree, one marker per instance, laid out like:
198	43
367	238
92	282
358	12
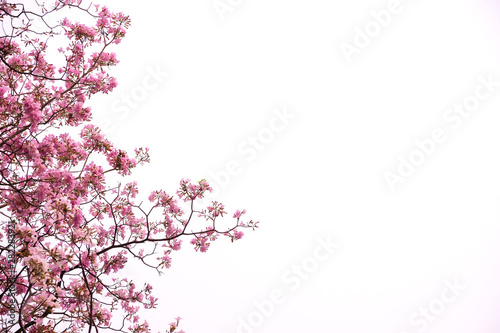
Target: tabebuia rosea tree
65	232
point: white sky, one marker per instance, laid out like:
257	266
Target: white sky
321	175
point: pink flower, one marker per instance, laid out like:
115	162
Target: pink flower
238	213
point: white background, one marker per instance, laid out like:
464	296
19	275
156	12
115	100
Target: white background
323	174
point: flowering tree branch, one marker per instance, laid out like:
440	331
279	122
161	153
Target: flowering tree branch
66	233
